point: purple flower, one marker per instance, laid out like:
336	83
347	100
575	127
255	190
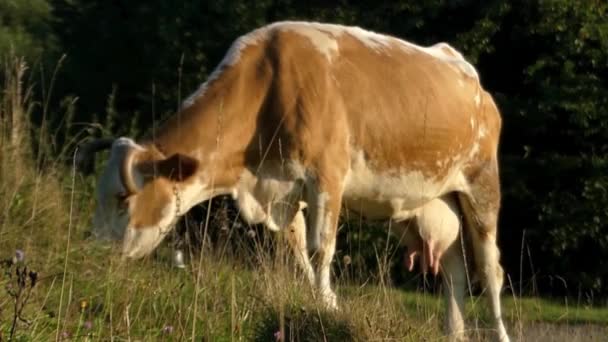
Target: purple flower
65	335
19	255
88	325
278	336
167	329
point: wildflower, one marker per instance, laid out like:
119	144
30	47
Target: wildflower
167	329
19	256
88	325
347	260
278	336
251	233
65	335
83	305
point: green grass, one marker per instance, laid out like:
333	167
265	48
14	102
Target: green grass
543	310
529	309
139	300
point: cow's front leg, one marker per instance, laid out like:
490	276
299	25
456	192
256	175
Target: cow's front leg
323	212
296	236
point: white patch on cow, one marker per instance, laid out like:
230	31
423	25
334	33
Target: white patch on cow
195	192
321	200
324	36
482	132
190	100
442	51
328	215
440	163
393	193
472	122
447	50
249	208
262	198
325	43
317	207
453	58
370	39
139	242
474	150
457	157
296	169
445	53
477	99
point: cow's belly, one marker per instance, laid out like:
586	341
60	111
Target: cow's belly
395	196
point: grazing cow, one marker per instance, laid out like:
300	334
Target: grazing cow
333	117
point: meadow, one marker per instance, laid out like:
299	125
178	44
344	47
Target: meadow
58	283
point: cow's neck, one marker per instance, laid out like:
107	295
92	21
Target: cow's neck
216	128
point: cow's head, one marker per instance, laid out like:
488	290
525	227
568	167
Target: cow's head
140	195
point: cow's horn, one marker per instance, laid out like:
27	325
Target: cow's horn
85	156
126	172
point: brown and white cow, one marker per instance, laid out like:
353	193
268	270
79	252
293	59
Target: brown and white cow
333	117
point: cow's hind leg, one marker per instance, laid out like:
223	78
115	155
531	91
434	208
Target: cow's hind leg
480	208
324	200
453	274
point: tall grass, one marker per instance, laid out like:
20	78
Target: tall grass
240	285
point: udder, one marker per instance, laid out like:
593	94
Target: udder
434	228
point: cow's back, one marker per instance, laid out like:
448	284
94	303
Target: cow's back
405	118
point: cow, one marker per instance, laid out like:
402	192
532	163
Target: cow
331	117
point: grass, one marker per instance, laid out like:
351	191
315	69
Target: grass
84	292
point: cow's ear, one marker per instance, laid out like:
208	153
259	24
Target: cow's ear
178	167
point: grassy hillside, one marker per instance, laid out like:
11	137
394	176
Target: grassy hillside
58	284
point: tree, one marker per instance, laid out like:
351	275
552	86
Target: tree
25	29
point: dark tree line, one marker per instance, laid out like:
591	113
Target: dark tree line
545	62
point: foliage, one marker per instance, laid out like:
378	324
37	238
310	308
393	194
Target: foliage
25	28
558	110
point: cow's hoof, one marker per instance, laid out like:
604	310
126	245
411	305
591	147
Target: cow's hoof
330	300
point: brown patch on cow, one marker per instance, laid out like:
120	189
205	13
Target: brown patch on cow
418	112
408	110
222	123
146	207
177	167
